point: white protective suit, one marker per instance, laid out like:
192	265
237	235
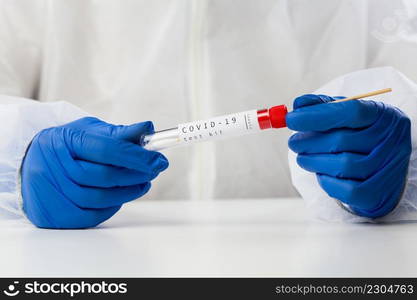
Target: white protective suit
177	61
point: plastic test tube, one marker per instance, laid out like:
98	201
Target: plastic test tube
236	124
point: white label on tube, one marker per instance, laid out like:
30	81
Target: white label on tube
224	126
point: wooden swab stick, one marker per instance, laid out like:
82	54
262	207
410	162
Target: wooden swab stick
378	92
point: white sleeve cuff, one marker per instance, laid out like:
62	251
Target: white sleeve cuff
22	119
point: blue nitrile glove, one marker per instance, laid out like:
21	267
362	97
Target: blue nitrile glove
79	174
359	150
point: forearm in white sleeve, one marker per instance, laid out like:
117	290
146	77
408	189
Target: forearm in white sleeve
21	119
404	96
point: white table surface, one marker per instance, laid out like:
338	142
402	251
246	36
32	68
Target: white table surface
210	238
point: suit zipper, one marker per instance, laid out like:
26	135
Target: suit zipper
202	169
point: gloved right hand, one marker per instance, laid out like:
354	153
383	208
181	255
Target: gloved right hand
80	174
359	149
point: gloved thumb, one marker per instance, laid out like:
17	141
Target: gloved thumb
311	99
131	133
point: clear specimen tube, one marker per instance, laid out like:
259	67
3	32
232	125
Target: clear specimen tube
236	124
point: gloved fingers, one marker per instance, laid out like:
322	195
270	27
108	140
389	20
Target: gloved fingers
131	133
97	175
89	218
67	215
326	116
345	190
337	140
351	192
342	165
89	197
110	151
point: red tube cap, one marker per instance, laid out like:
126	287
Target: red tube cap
277	116
273	117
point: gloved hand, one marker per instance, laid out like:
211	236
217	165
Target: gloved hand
79	174
359	150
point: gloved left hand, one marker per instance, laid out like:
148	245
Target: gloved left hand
359	149
80	174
